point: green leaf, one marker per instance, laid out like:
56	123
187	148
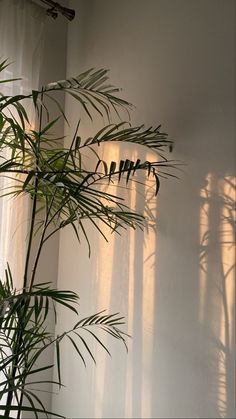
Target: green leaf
35	94
58	360
86	346
77	142
48	126
98	340
30	409
8	80
157	183
112	169
77	349
4	64
28	179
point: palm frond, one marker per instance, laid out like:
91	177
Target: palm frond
26	313
151	138
91	91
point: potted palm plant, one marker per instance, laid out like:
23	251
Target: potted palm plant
62	192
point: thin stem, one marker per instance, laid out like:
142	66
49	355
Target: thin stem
37	257
20	404
25	280
33	215
42	240
51	234
15	366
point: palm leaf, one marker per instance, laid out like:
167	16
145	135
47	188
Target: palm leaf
90	88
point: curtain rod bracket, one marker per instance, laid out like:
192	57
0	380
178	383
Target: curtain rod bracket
56	8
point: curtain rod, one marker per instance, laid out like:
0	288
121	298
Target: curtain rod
56	8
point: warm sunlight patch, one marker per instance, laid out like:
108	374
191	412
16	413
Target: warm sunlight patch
217	280
126	270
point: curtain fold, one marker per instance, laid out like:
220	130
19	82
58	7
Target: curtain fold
21	42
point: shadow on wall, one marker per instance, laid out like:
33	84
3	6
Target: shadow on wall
217	289
203	361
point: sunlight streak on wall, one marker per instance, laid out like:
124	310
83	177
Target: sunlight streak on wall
117	262
130	315
203	240
149	251
105	260
228	244
227	192
217	280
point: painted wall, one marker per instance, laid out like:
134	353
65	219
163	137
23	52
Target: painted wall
176	62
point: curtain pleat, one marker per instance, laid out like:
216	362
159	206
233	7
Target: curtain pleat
21	42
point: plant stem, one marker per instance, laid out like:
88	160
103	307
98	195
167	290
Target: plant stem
37	259
33	215
25	279
20	404
10	394
14	370
42	240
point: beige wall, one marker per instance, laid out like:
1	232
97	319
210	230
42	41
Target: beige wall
176	62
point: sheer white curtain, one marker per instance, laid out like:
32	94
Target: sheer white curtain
21	41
